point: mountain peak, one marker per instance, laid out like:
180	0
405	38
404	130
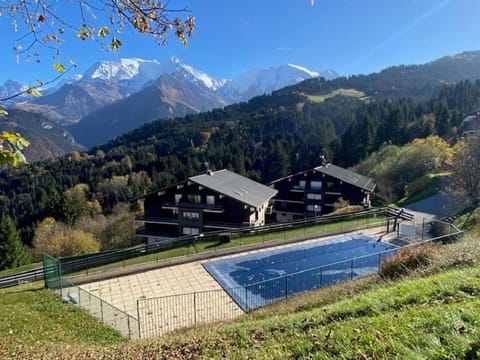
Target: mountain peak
11	88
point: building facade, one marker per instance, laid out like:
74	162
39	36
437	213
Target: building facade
217	200
314	192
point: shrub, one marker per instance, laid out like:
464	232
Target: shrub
442	229
417	185
408	259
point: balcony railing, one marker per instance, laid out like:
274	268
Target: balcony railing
157	220
190	205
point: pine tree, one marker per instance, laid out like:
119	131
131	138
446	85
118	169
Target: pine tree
12	252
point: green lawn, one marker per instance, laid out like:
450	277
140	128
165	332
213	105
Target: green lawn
32	316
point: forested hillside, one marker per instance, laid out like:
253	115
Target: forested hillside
266	138
418	82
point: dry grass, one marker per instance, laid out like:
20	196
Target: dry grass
407	260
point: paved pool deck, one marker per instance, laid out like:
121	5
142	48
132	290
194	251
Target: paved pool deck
123	292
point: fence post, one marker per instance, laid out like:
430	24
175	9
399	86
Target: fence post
246	299
195	308
101	309
129	333
351	269
285	285
139	321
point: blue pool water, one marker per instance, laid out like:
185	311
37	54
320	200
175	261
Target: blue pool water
257	279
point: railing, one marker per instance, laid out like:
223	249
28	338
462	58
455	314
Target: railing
268	233
153	219
108	314
21	278
158	316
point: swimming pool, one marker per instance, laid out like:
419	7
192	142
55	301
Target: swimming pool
257	279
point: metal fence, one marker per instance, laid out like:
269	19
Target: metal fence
108	314
212	242
21	278
158	316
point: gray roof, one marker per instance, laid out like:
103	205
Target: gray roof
235	186
347	176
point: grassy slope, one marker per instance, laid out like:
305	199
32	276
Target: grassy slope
423	316
32	317
343	92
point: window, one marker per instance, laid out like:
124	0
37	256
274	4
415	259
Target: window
301	184
190	215
311	196
194	198
314	208
210	200
190	231
316	185
177	198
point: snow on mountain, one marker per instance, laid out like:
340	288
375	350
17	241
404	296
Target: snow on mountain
133	74
130	74
260	81
197	76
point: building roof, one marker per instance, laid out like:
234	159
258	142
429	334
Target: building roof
347	176
235	186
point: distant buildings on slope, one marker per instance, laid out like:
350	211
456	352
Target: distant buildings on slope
223	200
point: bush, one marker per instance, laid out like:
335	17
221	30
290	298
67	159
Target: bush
442	229
417	185
408	259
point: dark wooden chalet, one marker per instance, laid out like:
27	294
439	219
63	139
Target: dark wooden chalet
314	192
217	200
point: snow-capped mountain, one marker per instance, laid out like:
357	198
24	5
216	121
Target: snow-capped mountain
126	93
261	81
12	88
133	74
194	75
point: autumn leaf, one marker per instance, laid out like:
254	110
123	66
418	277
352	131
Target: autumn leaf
34	92
103	31
115	44
10	137
59	67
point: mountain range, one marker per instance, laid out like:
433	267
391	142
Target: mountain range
111	98
118	96
265	138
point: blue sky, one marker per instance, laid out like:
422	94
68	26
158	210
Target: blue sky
349	36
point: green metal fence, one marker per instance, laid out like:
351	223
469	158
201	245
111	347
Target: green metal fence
211	242
52	272
108	314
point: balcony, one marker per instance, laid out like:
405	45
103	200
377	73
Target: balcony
216	208
223	225
157	220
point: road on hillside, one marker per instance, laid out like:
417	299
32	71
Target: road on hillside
438	206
